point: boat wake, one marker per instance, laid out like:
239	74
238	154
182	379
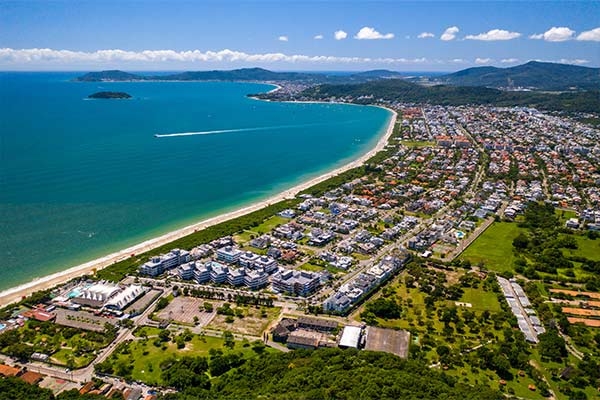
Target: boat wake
262	128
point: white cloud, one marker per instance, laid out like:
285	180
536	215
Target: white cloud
458	60
368	33
318	37
483	60
450	33
340	35
283	38
577	61
117	58
555	34
509	60
592	35
425	35
494	34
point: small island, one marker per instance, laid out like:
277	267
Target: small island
110	95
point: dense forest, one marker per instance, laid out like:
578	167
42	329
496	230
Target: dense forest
398	90
333	374
539	75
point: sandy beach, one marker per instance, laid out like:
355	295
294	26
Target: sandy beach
17	293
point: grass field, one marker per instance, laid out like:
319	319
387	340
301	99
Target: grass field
311	267
146	358
413	143
494	247
317	268
270	223
481	300
586	247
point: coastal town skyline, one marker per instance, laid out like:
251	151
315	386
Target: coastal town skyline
402	36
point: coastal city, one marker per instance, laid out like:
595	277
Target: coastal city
299	200
427	251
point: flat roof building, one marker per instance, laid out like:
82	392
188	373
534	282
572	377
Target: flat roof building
350	337
300	283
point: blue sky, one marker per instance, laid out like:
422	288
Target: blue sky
295	35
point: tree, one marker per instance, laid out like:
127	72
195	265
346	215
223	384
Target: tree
164	335
384	308
552	346
258	347
229	339
521	241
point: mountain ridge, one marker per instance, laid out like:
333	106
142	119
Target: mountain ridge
241	74
533	75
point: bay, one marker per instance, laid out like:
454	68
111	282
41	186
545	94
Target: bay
81	178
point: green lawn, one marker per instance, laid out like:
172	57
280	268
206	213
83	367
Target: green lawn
481	300
311	267
317	268
148	330
413	143
586	247
146	357
564	215
270	223
494	247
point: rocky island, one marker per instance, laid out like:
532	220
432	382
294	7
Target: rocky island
110	95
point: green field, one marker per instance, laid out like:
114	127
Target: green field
494	247
270	223
311	267
412	143
586	247
146	357
481	300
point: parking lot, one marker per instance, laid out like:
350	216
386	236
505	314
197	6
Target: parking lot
82	319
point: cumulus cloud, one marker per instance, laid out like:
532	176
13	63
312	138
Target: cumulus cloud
368	33
318	37
283	38
425	35
509	60
483	60
494	34
340	35
458	60
555	34
592	35
450	33
115	57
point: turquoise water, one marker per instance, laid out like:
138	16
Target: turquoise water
82	178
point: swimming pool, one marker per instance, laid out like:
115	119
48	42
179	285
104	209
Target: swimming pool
2	326
459	234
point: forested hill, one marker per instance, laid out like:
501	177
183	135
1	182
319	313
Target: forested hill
243	74
335	374
397	90
534	75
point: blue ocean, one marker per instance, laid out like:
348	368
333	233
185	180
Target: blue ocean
82	178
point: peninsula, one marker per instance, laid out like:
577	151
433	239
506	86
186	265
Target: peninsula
109	95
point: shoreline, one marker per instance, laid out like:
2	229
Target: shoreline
16	293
